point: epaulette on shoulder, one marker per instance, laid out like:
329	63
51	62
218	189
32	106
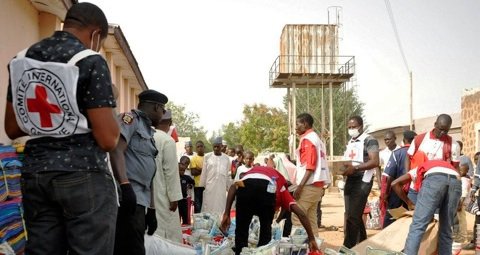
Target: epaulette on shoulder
128	118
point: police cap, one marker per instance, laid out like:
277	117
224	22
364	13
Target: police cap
153	96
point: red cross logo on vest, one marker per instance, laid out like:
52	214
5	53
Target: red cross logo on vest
40	105
352	155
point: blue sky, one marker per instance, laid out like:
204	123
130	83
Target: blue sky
213	56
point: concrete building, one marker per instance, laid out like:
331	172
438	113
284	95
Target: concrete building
471	121
24	22
420	126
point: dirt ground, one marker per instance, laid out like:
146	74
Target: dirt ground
332	217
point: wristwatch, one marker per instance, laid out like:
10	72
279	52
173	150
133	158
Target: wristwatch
357	168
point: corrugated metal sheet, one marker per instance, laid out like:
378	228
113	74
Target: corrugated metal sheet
309	49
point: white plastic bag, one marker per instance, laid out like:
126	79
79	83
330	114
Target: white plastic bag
155	245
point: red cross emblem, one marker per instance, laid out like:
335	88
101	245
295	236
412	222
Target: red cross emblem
352	155
40	105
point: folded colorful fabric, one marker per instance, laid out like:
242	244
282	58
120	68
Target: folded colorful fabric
11	225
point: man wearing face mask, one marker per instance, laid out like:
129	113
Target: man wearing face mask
362	156
60	94
435	144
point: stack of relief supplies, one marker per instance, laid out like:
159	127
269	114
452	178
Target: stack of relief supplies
12	231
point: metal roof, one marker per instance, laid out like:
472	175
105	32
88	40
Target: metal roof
55	7
122	55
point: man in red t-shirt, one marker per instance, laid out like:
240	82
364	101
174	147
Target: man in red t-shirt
312	170
441	189
255	197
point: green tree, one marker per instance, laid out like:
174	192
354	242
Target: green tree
187	123
231	134
345	104
261	129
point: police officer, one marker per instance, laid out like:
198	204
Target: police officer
136	153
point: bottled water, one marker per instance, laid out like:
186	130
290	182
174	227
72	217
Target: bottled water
272	185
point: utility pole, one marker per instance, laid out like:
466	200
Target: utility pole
411	101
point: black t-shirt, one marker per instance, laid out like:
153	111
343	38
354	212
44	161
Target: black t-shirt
78	152
184	181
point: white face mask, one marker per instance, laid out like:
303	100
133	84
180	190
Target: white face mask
97	48
353	132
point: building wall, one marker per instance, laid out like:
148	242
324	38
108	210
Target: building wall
20	25
380	135
471	121
127	91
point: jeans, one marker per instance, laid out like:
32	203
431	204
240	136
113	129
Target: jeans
72	212
437	191
412	195
253	199
355	195
130	233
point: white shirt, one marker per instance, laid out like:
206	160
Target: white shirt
413	175
466	186
433	148
216	179
385	156
240	170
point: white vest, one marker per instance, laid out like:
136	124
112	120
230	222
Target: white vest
322	173
355	152
44	96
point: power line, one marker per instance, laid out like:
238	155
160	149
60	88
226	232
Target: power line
392	21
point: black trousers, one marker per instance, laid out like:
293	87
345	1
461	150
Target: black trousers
183	211
355	194
198	191
129	238
287	226
319	213
253	199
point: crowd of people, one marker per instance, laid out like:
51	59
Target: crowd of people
75	163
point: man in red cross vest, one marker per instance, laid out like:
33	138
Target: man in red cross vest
362	154
433	145
60	94
39	104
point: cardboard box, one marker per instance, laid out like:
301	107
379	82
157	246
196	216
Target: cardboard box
393	237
